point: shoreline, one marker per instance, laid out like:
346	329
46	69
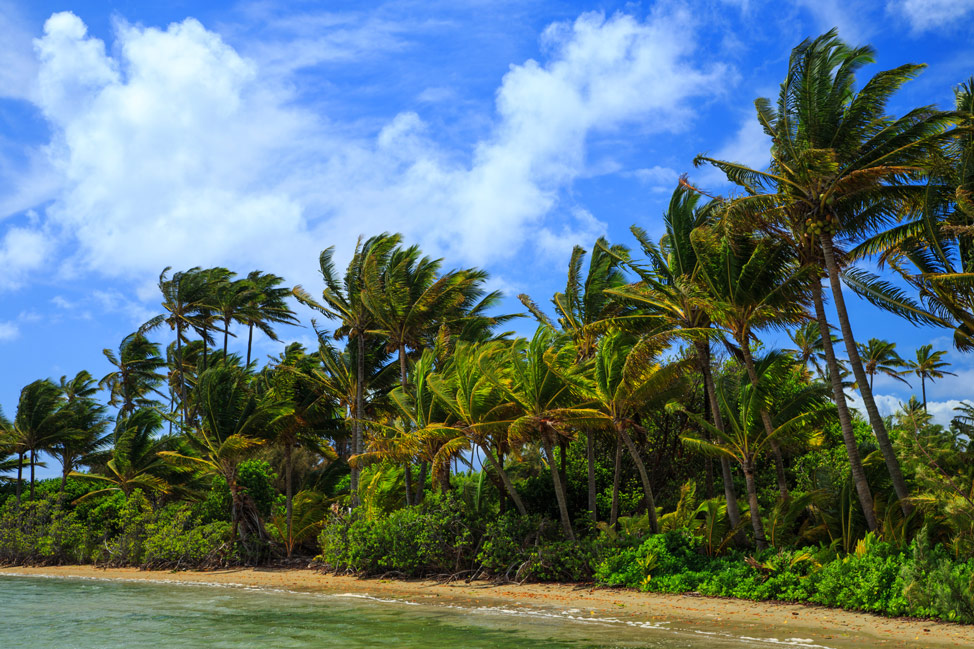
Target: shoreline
812	625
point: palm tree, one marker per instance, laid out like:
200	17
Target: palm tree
343	299
810	348
183	295
928	366
745	436
135	461
538	377
411	302
583	304
840	168
265	306
39	423
215	283
669	296
880	356
629	379
230	298
137	373
233	420
304	419
754	283
477	408
84	424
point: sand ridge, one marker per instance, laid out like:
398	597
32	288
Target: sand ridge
807	626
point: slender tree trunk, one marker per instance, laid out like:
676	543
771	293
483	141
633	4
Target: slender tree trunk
708	464
643	476
204	348
65	470
250	342
733	510
33	460
923	388
590	458
410	497
845	419
359	413
20	475
752	499
566	523
289	496
181	362
879	428
226	336
421	485
616	478
752	373
506	479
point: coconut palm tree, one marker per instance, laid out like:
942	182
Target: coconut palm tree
538	376
810	348
880	357
38	424
670	296
183	295
754	283
745	436
135	461
84	424
230	298
343	299
478	410
137	374
841	168
628	379
265	306
233	421
928	366
584	304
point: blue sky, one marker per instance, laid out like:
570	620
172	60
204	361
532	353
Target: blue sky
139	135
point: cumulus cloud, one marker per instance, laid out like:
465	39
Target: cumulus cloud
174	149
924	15
17	66
23	250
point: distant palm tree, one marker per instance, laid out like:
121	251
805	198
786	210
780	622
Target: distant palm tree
810	348
265	306
84	424
39	424
929	366
879	356
137	373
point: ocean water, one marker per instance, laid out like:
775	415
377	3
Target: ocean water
47	613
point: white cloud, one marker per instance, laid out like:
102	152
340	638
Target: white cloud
176	150
924	15
750	146
17	67
22	250
656	176
888	404
9	331
850	16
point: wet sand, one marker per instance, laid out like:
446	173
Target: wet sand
803	625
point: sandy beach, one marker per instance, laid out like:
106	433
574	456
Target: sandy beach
814	626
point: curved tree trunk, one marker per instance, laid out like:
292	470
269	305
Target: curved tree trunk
566	523
32	462
590	457
616	478
505	479
226	336
779	463
875	419
643	476
289	497
357	419
250	341
845	419
703	355
752	499
923	388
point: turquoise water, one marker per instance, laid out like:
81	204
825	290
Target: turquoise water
89	614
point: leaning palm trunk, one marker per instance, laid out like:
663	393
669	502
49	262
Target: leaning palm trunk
616	478
845	419
566	523
32	463
779	464
643	476
505	479
20	475
411	498
752	499
875	419
733	511
590	457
